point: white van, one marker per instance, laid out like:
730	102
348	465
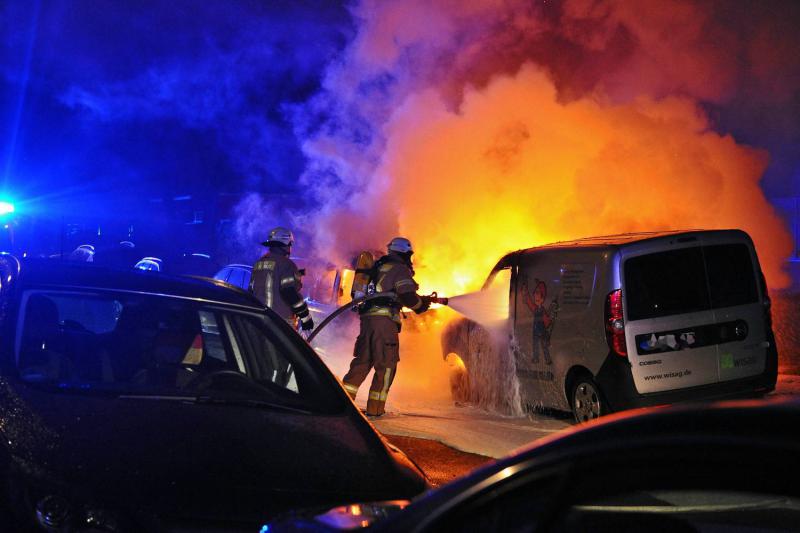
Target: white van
607	323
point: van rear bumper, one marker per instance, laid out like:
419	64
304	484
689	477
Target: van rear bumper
616	384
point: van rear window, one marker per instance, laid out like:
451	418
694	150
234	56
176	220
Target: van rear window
675	282
731	278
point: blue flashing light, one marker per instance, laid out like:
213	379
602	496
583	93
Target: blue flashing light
6	208
264	529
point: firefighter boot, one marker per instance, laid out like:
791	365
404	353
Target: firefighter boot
375	405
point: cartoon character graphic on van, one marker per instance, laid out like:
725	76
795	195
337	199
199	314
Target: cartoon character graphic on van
543	319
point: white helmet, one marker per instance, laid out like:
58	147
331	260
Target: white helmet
280	235
401	245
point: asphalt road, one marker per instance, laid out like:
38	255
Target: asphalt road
440	463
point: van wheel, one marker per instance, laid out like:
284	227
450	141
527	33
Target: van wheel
587	402
459	379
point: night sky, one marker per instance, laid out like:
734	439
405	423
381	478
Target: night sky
291	107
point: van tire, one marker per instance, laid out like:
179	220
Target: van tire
586	400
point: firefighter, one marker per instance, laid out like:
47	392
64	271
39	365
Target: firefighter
377	345
276	280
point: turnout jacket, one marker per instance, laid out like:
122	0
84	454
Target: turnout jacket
276	282
394	274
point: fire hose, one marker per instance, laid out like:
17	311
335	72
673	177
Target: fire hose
434	298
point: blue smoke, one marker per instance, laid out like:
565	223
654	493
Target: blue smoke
111	110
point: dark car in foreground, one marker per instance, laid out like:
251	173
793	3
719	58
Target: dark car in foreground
135	401
720	467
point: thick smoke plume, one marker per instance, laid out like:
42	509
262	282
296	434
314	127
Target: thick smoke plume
476	128
500	125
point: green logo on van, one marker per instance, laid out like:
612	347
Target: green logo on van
726	360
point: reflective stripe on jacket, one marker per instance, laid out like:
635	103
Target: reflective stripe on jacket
275	275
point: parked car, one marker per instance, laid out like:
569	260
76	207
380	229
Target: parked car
192	264
137	401
609	323
730	466
236	275
150	264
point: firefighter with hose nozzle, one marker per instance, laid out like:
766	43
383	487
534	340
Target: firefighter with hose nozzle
378	342
276	280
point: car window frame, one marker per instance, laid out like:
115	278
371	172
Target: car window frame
499	485
315	370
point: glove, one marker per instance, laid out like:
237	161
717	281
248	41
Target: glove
307	323
426	303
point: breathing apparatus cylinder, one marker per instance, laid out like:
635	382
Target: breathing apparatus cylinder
361	279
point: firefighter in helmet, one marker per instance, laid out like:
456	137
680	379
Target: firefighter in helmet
377	345
276	280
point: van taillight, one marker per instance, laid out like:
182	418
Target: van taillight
615	325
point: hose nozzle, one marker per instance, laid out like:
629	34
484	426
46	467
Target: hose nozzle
436	300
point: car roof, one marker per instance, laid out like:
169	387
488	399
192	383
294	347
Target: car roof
616	241
55	272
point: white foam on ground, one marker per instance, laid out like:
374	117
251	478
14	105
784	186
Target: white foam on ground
474	430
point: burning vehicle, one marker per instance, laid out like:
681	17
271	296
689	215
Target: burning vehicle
137	401
607	323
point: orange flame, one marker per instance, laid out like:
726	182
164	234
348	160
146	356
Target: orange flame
514	168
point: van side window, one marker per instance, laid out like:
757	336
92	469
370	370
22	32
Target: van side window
499	279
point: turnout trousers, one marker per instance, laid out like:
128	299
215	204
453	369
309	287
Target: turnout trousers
378	347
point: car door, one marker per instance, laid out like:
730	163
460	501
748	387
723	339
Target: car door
739	313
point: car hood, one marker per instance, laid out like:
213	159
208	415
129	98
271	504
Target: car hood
179	457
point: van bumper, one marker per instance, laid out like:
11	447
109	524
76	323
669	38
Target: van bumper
616	384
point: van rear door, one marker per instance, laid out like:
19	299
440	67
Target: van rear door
693	311
733	272
666	310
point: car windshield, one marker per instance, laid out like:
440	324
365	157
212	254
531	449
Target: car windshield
135	344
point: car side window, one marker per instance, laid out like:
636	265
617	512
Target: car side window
695	487
264	360
499	280
237	277
116	341
515	505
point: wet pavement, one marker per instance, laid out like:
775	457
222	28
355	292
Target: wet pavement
785	324
468	428
440	463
